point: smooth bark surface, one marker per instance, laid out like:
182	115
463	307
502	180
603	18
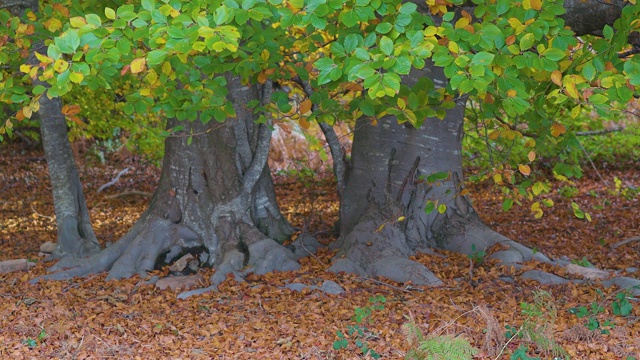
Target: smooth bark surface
75	233
383	212
213	191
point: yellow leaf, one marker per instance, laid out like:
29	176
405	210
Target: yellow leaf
53	25
453	47
76	77
138	65
109	13
526	4
145	92
264	55
575	111
557	130
166	68
35	104
151	77
556	77
511	93
44	60
571	90
462	22
531	155
401	103
27	112
537	211
536	4
524	169
497	178
60	66
401	218
77	21
31	16
199	46
25	68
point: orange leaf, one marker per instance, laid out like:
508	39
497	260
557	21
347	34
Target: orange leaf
531	155
556	77
536	4
304	123
124	70
557	130
524	169
69	110
510	39
305	106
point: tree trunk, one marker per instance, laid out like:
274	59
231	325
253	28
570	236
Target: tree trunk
75	234
383	210
215	193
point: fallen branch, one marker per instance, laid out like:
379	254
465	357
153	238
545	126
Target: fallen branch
129	193
114	181
599	132
625	241
40	215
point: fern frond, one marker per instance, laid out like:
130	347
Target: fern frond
447	347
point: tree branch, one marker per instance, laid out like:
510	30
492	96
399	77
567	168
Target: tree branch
337	153
261	153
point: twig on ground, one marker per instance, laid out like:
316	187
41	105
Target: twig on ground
625	241
42	216
392	286
129	193
114	181
310	253
78	283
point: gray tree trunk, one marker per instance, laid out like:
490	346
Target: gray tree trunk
383	218
383	209
216	193
75	234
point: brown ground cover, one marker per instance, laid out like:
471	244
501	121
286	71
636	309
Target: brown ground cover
89	318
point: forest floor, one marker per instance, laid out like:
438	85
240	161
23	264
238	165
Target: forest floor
89	318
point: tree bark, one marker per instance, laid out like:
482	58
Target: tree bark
383	212
215	192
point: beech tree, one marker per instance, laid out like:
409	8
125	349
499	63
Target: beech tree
403	70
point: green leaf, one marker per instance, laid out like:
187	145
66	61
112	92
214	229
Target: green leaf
607	32
367	107
384	27
386	45
507	204
156	57
148	5
408	8
554	54
483	58
439	176
348	17
502	6
429	207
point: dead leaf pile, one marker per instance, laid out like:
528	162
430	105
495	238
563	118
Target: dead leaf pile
89	318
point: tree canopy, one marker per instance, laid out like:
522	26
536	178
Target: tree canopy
519	63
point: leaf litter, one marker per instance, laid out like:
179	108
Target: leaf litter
89	318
